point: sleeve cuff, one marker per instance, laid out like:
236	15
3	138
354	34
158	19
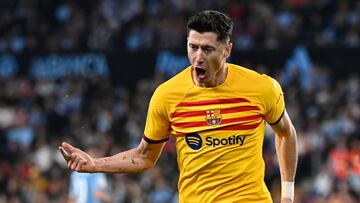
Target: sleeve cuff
150	141
278	120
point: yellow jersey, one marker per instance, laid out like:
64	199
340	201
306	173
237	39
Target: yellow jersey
219	133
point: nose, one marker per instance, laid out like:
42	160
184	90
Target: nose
199	57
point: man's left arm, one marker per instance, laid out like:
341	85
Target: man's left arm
286	149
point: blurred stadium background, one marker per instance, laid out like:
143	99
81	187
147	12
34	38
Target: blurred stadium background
84	71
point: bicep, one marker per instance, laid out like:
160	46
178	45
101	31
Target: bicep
284	127
150	151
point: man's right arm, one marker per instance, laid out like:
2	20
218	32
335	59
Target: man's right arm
138	159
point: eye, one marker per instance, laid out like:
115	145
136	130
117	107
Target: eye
208	50
193	47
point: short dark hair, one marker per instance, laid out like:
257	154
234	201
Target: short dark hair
211	21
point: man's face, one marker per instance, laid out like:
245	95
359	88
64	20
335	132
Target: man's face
207	56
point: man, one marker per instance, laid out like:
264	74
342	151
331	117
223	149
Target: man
217	113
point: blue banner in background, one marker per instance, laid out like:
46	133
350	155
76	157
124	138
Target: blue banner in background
127	68
170	63
55	66
9	66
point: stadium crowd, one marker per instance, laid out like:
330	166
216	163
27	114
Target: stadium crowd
138	24
37	114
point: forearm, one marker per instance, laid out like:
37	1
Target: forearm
130	161
286	148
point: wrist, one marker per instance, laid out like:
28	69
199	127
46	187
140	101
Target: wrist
97	165
287	190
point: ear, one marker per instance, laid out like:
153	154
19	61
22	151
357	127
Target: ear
228	50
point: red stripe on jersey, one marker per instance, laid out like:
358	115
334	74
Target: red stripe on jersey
245	118
213	101
188	114
190	124
179	134
240	127
239	109
223	111
224	121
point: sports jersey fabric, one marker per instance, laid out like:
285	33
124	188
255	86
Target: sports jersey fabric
219	133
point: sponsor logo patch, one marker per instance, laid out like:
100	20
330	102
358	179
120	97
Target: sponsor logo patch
195	142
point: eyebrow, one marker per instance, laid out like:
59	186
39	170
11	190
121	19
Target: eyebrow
202	46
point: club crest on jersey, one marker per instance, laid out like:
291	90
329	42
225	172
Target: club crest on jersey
213	117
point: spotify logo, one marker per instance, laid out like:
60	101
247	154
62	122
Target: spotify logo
193	140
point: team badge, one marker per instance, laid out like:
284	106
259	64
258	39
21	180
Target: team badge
213	117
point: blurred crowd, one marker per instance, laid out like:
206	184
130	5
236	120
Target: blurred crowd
37	114
64	25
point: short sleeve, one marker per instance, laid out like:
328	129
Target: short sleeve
157	127
273	98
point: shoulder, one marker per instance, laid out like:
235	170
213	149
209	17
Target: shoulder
243	70
177	85
247	75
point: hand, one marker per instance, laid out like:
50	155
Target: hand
77	160
285	200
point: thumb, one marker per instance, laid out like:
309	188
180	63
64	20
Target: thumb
67	150
68	147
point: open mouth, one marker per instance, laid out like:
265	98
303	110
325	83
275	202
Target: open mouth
200	72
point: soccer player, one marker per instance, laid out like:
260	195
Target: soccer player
217	113
89	187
